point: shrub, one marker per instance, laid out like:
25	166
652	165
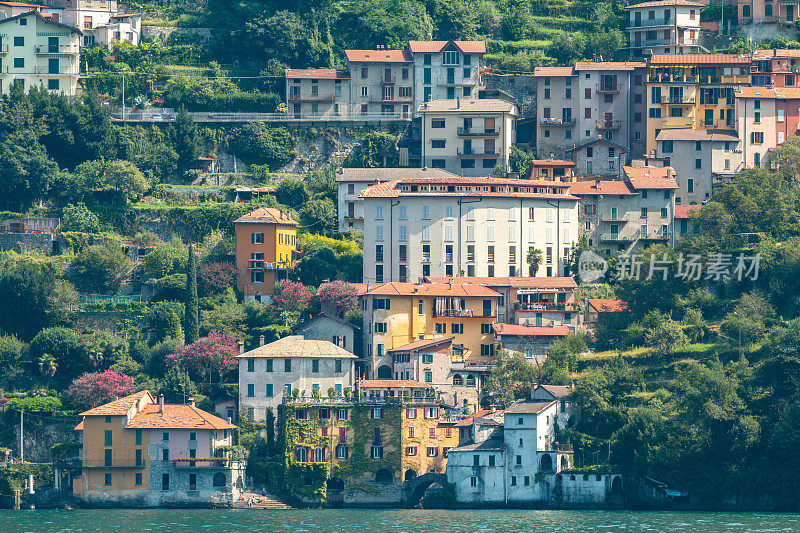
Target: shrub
101	268
216	276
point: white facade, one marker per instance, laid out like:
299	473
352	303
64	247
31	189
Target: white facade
269	373
317	92
466	227
36	51
467	137
446	70
664	27
119	28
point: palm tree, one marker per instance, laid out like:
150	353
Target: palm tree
534	259
48	367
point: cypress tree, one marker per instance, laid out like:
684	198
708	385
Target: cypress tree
191	320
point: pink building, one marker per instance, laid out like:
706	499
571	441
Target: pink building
765	117
777	68
766	11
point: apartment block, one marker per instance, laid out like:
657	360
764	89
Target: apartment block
38	51
693	91
351	181
142	453
702	160
446	70
323	93
766	12
468	137
466	227
265	246
382	82
599	157
765	118
776	68
616	216
272	372
664	27
589	101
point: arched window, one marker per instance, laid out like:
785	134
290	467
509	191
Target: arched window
572	477
319	455
564	462
457	380
384	372
546	464
616	485
767	10
470	380
410	474
218	480
746	11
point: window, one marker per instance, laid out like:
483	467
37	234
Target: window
137	478
269	365
411	451
690	185
698	163
257	238
108	437
53	84
269	390
377	452
107	480
287	365
251	365
433	451
19	62
428	376
376	413
457	329
757	137
165	454
438	143
380	327
165	482
437	123
518	460
315	365
19	41
441	328
411	413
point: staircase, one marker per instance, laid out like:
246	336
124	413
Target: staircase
252	500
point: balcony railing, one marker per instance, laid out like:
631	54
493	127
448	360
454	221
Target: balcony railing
613	89
614	217
609	124
116	463
677	99
469	132
547	121
311	97
45	71
261	264
204	462
60	49
618	237
478	153
546	306
388	80
658	21
360	400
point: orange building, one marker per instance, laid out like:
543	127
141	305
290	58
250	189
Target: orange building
551	170
265	246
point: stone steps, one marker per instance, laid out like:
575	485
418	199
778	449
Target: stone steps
252	500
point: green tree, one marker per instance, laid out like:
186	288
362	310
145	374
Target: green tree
319	216
567	47
185	139
292	192
101	268
65	347
510	378
534	259
166	259
377	149
48	367
78	217
666	336
191	319
164	322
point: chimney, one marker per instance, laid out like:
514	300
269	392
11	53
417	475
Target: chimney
241	347
160	403
191	401
261	340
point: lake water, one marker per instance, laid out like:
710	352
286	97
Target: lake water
390	521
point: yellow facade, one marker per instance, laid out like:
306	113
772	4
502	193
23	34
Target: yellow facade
111	449
405	324
425	440
683	94
265	244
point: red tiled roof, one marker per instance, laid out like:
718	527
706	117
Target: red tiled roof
553	282
425	343
530	331
553	71
118	407
608	65
699	59
362	287
552	163
267	215
607	305
685	210
432	289
612	187
689	134
391	384
378	56
468	421
515	188
79	427
176	417
663	3
316	74
778	53
651	177
434	47
776	93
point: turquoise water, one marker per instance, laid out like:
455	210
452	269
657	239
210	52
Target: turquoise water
391	521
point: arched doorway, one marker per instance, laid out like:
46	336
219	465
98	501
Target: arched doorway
410	474
458	380
616	485
564	462
546	463
384	475
336	484
384	372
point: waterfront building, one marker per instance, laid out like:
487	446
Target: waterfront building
466	227
143	453
468	136
265	248
664	27
291	366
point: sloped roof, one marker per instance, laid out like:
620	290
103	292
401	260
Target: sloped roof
608	65
528	407
685	210
498	187
176	417
530	331
558	391
597	141
433	289
768	93
463	105
267	215
553	282
378	56
493	444
699	59
391	384
118	407
651	177
299	346
613	187
692	135
541	72
434	47
388	174
46	20
607	305
664	3
552	163
316	74
422	344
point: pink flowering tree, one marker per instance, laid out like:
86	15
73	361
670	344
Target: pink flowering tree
293	296
213	354
338	296
96	388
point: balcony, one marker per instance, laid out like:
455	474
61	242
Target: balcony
677	122
311	98
204	462
388	80
609	124
738	78
66	71
614	217
567	122
469	132
546	306
261	264
649	23
475	153
62	49
393	99
117	463
460	313
678	100
608	90
465	82
617	237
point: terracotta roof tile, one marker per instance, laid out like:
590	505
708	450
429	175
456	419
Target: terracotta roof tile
316	74
267	215
556	72
434	47
176	417
664	3
613	187
443	343
699	59
608	65
528	406
768	93
391	384
558	391
433	289
118	407
685	210
651	177
688	134
776	53
552	163
510	188
378	56
299	346
607	305
530	331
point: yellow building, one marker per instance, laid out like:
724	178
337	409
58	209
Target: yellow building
265	247
426	436
139	452
694	91
397	314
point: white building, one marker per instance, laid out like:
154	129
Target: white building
702	159
466	227
467	136
445	70
119	28
273	371
12	9
101	21
665	27
37	51
381	82
321	93
351	181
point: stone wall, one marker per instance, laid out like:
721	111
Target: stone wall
40	242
